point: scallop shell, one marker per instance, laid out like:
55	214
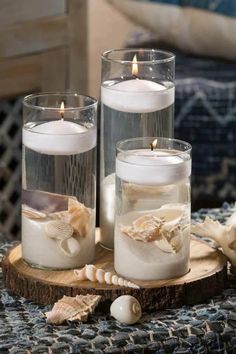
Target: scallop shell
126	309
69	247
78	217
146	228
92	273
32	213
58	230
72	308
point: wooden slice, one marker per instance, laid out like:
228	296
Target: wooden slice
206	278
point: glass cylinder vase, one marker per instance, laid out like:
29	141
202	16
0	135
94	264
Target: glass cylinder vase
59	180
137	99
152	229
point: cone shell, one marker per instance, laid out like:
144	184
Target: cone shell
94	274
72	309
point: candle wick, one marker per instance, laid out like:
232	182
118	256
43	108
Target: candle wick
151	146
62	116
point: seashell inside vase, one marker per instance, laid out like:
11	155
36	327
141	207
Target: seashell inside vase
146	228
153	244
70	247
58	230
164	230
62	240
171	240
72	309
78	217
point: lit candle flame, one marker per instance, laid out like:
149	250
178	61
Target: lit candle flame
135	66
153	145
62	110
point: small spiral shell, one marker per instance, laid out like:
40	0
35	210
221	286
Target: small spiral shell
92	273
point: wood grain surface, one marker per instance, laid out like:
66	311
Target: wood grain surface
205	279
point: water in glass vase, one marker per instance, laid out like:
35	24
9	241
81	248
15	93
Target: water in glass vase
125	115
152	231
58	213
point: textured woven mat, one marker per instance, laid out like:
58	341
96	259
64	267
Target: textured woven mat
10	166
204	328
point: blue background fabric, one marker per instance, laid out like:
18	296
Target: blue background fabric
221	7
205	115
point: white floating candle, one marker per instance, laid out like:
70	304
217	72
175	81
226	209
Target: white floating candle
59	137
159	167
137	96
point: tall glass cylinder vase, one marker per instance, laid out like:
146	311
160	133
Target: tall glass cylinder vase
59	180
137	99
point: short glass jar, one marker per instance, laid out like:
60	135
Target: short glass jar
152	227
59	180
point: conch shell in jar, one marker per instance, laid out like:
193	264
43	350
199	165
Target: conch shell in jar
146	228
163	227
171	240
78	217
64	227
